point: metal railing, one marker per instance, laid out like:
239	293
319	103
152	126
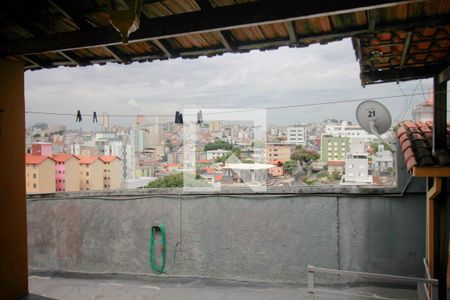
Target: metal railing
426	287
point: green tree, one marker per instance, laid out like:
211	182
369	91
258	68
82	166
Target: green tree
304	156
289	166
218	145
171	181
177	181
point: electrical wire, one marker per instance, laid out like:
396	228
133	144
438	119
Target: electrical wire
246	109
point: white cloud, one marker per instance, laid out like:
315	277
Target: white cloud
133	103
257	79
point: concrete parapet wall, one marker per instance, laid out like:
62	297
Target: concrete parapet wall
249	237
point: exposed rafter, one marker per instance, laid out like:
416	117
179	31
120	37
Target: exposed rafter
219	18
119	55
372	77
165	47
405	49
292	33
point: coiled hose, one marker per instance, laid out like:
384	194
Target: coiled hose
158	269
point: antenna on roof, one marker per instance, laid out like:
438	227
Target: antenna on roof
374	118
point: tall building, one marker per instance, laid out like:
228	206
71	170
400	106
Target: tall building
138	139
334	148
154	136
67	172
140	120
214	126
40	174
127	157
104	121
296	135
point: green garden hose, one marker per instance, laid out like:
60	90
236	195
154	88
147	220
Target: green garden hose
158	269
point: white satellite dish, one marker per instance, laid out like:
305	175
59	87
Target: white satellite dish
374	118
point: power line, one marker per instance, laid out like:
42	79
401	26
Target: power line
247	109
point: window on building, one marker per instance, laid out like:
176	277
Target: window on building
87	173
34	185
34	175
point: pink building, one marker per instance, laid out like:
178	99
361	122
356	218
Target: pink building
44	149
67	172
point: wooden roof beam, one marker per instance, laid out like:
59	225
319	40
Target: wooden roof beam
405	49
37	61
292	33
219	18
165	47
372	77
444	75
70	13
372	18
227	40
119	55
74	58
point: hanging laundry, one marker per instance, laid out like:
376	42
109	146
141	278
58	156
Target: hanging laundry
78	119
94	117
199	117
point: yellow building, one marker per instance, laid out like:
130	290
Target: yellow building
67	172
40	174
111	172
279	152
91	173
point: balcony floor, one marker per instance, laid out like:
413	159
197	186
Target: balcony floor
69	288
45	288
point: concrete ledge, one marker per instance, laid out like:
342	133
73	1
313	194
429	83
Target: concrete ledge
331	191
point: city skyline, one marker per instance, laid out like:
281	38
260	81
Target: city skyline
254	80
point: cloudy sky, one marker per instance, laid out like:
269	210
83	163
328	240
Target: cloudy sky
288	76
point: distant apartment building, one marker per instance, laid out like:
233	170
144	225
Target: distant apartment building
382	160
67	172
215	154
104	121
344	129
423	112
279	152
214	126
334	148
40	174
127	156
44	149
357	169
296	135
111	172
91	171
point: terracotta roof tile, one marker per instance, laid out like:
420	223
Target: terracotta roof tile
406	145
416	144
86	159
35	159
108	158
62	157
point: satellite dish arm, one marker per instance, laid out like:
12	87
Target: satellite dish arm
374	131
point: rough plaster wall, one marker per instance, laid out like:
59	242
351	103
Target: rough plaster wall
256	238
383	235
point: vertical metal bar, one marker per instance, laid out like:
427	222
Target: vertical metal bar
441	212
311	281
